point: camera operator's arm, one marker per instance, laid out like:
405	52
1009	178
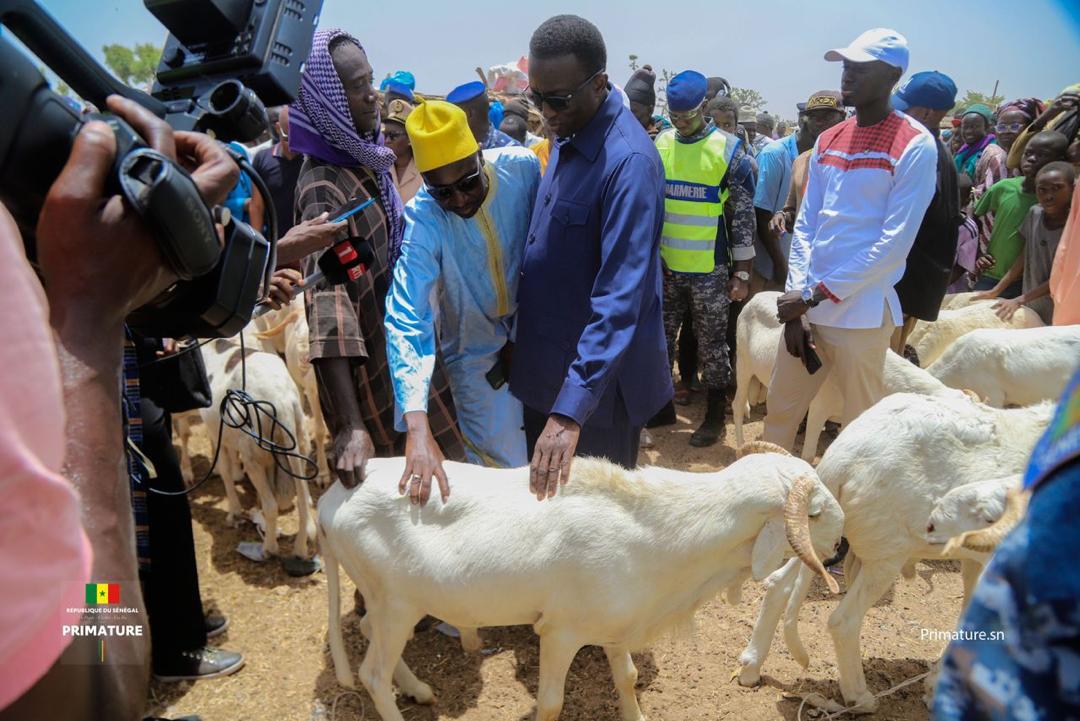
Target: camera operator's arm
98	263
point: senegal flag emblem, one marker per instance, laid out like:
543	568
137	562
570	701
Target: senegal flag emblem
102	594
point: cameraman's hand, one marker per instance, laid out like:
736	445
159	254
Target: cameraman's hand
97	258
95	254
308	237
213	171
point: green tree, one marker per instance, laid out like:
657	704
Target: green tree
747	98
633	61
134	66
973	97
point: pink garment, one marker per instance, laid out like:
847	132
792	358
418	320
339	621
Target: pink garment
44	553
1065	273
967	250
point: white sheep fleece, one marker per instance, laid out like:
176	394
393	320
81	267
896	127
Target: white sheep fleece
888	468
616	559
1012	366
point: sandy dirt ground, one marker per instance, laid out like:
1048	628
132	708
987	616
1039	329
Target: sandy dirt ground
280	623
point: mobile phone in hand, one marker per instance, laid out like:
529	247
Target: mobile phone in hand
350	209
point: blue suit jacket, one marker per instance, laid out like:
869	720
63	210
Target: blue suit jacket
590	332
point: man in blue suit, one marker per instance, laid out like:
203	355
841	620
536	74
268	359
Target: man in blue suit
590	364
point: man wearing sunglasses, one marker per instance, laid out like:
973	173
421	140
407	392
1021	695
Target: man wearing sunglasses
591	363
708	216
460	261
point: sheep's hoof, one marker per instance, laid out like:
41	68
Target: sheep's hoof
865	704
422	694
470	640
747	676
346	681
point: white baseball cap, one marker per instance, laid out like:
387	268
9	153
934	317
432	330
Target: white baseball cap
882	44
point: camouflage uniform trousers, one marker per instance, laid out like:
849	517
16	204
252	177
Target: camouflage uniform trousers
706	295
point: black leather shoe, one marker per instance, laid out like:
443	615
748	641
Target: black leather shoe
208	662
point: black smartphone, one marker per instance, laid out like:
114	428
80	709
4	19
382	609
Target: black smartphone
811	360
496	377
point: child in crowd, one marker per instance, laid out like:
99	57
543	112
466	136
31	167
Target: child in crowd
1010	200
967	243
1040	232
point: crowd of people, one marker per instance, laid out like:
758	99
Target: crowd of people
539	262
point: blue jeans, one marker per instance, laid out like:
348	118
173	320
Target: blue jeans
987	283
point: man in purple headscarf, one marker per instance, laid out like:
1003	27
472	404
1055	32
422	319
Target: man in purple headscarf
335	123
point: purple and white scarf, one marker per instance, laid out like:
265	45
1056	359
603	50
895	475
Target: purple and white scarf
321	125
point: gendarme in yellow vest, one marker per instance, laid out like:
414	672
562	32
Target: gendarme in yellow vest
693	200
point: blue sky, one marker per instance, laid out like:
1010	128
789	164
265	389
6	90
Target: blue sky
1031	46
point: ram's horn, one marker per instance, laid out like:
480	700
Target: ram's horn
985	540
797	526
759	447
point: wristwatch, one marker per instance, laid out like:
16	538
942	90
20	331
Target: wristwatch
742	275
808	297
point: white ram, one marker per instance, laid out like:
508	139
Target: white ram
930	340
286	332
267	379
888	469
1012	366
615	559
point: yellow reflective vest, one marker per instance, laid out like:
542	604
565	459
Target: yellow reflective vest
693	198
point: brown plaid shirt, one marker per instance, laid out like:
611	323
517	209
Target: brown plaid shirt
346	321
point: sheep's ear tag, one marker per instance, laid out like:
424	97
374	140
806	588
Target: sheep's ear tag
768	552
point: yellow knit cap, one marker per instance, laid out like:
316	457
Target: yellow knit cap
440	135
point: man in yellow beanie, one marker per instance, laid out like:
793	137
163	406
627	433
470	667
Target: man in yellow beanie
460	263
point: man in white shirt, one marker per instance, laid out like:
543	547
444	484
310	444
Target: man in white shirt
870	181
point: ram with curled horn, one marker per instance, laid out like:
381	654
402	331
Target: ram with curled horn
986	540
617	559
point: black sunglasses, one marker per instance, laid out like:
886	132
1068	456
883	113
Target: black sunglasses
463	185
558	103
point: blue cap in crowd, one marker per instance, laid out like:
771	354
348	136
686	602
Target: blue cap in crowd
686	90
465	93
399	89
401	77
928	89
